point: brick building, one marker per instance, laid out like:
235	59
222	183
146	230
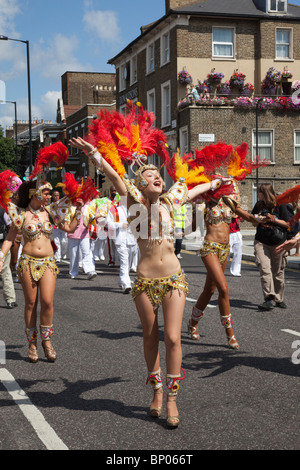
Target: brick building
84	94
220	36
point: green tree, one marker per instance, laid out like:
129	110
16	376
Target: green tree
7	152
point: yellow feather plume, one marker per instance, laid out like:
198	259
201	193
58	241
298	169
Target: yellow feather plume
192	176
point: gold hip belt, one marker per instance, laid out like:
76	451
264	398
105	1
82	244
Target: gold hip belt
157	288
36	266
214	248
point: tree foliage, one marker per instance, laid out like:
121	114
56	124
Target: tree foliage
7	152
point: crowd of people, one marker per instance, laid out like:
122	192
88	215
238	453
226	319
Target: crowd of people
142	224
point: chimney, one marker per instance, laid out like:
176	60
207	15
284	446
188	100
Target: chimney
173	4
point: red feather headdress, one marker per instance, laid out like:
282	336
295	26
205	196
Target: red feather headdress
7	186
75	190
56	152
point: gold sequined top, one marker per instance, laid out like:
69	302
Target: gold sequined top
58	212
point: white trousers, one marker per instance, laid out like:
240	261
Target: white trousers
236	248
61	241
97	247
83	245
9	293
123	253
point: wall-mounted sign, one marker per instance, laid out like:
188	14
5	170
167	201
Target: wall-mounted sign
130	95
206	137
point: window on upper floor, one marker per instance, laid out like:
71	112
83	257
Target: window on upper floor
133	67
165	48
297	147
150	58
166	104
151	101
223	43
184	140
279	6
265	148
284	43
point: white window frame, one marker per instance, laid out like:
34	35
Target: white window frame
151	57
296	146
151	97
165	108
290	44
277	3
213	43
122	81
184	136
133	70
165	48
271	145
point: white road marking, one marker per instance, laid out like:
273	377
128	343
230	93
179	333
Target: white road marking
292	332
195	300
44	431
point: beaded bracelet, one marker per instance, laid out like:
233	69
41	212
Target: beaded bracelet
215	184
95	159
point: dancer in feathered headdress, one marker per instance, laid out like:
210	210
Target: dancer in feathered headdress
220	207
33	218
117	141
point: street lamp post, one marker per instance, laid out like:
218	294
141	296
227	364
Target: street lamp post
256	144
5	38
16	129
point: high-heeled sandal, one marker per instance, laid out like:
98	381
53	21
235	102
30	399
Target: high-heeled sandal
46	333
226	321
31	334
156	411
192	331
50	354
155	379
173	421
33	354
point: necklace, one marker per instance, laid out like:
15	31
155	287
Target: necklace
35	212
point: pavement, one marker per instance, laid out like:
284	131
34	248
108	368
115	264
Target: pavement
193	241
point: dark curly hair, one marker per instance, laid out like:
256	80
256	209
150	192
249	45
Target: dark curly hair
23	193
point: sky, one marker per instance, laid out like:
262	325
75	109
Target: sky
63	35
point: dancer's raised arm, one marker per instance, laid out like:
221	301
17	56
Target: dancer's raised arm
100	163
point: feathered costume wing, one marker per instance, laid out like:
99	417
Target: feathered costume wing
118	137
56	152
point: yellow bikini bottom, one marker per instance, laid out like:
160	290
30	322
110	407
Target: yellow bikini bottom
157	288
37	266
214	248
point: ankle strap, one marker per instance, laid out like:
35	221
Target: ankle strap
31	334
155	379
226	321
173	383
197	313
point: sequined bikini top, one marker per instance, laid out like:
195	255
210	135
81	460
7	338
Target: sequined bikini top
34	230
218	213
59	211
